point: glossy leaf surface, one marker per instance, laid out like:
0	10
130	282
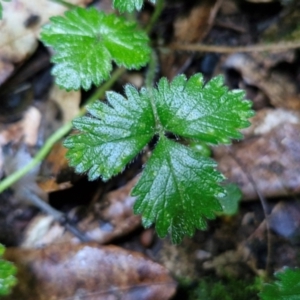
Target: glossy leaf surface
112	136
178	190
129	5
86	41
286	287
208	112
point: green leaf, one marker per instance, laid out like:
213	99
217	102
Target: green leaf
129	5
201	147
86	41
7	272
208	112
178	190
230	203
287	287
113	135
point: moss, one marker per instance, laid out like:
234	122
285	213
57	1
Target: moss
212	288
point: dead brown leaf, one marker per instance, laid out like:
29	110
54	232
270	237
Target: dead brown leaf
280	88
88	271
113	216
20	28
53	165
110	218
194	27
190	28
272	160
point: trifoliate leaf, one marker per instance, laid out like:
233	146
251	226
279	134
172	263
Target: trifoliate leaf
86	41
178	190
287	287
7	272
129	5
208	112
113	136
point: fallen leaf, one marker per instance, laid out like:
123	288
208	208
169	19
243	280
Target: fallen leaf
285	220
187	29
52	167
279	87
110	218
88	271
267	119
113	216
26	129
20	28
272	160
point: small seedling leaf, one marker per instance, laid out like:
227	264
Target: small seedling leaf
286	287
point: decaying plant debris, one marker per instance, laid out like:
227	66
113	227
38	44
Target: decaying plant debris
255	45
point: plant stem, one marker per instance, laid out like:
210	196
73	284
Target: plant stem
57	135
65	4
158	9
273	47
149	82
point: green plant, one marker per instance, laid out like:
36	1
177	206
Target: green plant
286	287
7	274
212	288
129	5
179	188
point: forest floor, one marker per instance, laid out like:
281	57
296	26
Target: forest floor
255	46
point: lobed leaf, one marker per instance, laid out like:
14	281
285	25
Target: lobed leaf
178	190
129	5
287	287
112	136
208	112
86	41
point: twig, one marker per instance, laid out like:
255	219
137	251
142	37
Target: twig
264	207
57	215
159	6
227	49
